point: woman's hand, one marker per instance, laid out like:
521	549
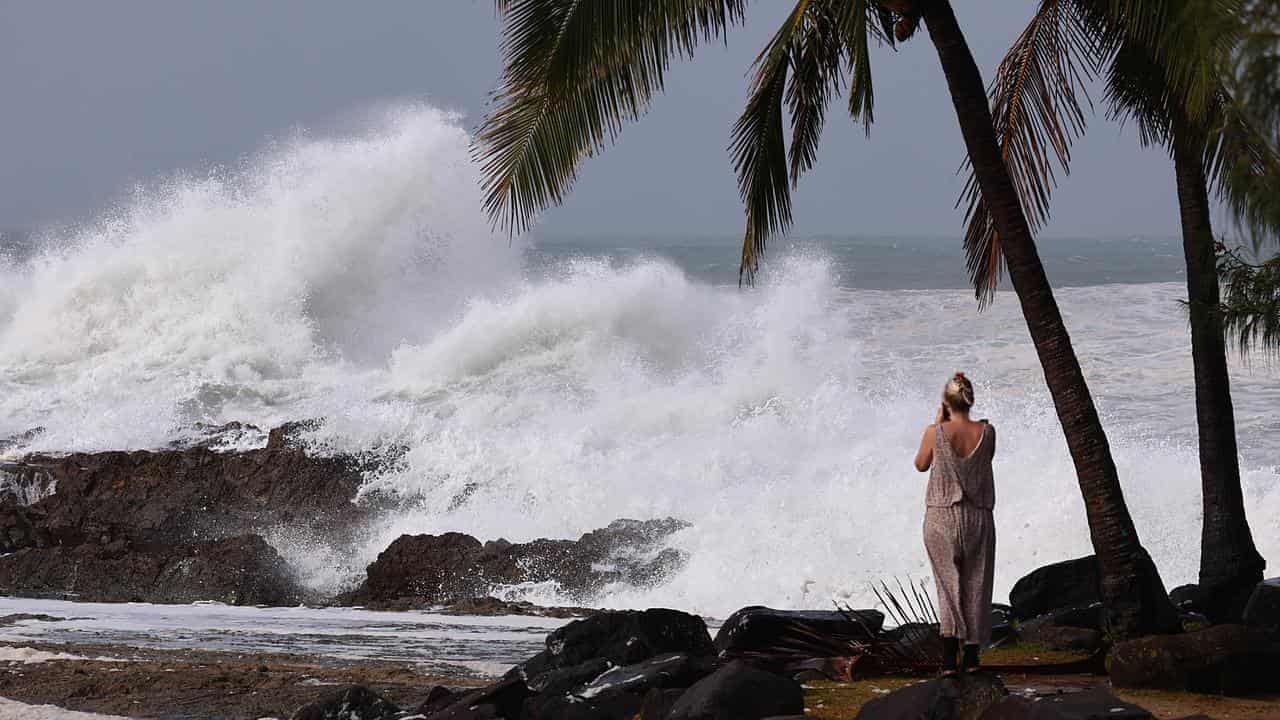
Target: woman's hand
942	415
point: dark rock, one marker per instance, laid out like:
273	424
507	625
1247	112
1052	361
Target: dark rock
438	698
1043	632
16	618
562	680
353	703
1222	659
622	637
238	571
491	606
1002	625
1186	598
18	441
20	526
657	704
1093	704
436	567
738	691
227	437
1263	609
1071	583
965	697
501	700
623	706
289	435
1076	628
670	670
1088	618
776	639
25	486
179	496
435	570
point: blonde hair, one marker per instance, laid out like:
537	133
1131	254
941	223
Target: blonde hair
958	393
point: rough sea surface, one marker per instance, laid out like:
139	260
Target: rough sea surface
548	386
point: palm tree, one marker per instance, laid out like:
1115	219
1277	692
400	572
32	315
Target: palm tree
576	71
1251	308
1036	96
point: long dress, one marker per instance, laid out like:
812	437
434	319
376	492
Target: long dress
960	536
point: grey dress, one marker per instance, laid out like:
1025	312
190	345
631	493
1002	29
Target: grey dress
960	535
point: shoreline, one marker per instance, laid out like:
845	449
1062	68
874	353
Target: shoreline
193	685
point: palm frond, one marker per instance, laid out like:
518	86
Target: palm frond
759	148
1250	307
815	55
1245	167
1257	65
1185	39
1038	111
798	74
574	72
1240	160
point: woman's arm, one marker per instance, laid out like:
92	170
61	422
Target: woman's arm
924	456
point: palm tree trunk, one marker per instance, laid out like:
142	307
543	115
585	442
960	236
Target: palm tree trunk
1229	563
1132	591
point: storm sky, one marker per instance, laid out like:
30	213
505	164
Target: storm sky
99	96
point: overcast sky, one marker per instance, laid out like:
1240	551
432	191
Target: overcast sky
99	95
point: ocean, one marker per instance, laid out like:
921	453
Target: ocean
546	386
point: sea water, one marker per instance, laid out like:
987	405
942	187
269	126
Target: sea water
544	387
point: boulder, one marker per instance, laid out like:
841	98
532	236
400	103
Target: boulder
657	704
622	637
1071	583
1263	609
1092	704
561	680
1061	637
444	569
965	697
503	700
1222	659
1186	598
1002	625
570	707
242	570
353	703
1068	629
438	698
439	568
777	637
669	670
738	691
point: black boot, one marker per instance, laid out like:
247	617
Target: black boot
950	649
970	663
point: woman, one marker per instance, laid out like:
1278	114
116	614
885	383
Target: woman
959	533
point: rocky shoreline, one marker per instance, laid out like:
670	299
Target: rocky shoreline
189	523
